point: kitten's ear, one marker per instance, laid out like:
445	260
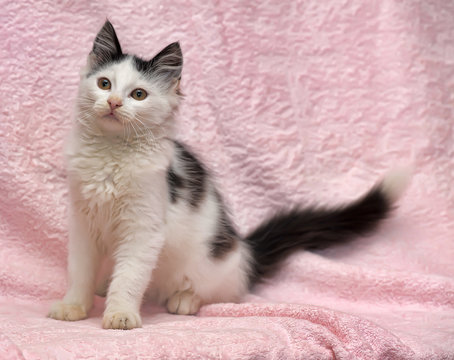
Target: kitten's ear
106	46
168	64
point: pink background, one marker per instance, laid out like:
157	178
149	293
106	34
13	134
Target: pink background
287	102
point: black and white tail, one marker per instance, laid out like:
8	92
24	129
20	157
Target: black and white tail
318	228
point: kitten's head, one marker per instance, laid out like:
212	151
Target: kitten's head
124	95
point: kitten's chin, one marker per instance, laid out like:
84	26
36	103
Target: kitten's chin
111	123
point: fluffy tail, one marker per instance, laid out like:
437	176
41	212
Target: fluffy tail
318	228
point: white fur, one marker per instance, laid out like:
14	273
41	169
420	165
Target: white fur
395	182
120	210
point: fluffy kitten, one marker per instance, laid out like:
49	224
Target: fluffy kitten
144	202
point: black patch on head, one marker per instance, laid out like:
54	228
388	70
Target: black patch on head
190	182
313	228
142	66
226	237
166	65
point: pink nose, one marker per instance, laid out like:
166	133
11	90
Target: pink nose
114	103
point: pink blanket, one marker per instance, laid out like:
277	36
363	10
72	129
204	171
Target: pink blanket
287	101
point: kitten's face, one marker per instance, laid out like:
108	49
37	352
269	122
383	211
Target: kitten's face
125	95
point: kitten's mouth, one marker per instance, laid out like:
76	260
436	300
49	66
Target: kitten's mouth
111	122
112	117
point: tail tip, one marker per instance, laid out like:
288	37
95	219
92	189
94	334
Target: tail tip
395	182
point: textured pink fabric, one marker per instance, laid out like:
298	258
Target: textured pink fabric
287	101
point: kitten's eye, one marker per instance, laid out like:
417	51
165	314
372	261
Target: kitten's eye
139	94
104	84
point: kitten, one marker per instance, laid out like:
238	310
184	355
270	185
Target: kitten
145	203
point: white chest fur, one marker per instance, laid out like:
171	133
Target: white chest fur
108	179
106	171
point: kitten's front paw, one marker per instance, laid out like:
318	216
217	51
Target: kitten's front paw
124	320
67	312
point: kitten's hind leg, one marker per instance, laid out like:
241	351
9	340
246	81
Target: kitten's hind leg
184	303
102	287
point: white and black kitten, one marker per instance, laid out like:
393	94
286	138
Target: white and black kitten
146	217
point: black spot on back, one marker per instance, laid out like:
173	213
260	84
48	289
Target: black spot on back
195	179
174	182
188	184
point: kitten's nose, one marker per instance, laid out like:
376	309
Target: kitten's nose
114	103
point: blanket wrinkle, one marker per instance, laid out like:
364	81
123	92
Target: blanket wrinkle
301	102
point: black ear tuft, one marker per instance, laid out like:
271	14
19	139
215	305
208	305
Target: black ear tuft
106	47
168	64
